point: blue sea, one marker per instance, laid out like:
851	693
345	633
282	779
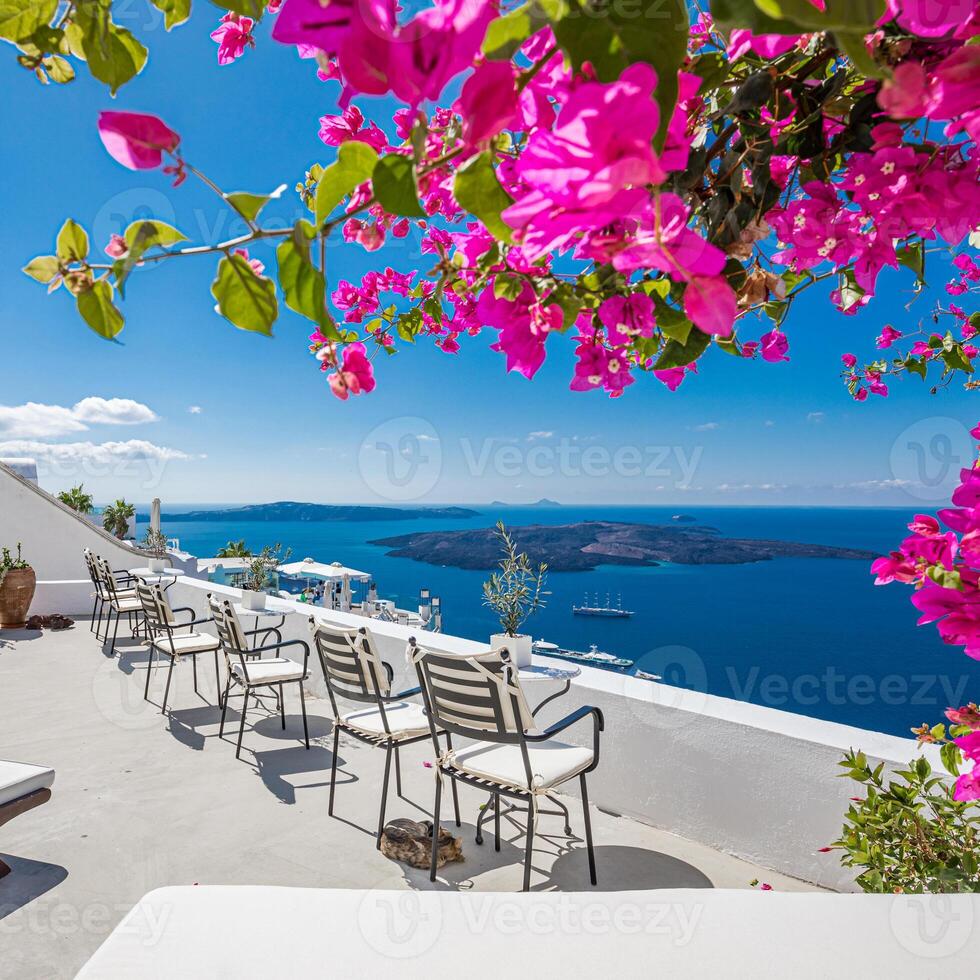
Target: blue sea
813	636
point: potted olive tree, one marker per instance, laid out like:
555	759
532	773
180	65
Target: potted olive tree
155	544
259	570
17	583
514	593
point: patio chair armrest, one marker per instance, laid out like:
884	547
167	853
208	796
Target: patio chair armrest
598	723
126	576
264	630
404	694
283	645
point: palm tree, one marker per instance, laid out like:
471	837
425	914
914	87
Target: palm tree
234	549
116	517
77	499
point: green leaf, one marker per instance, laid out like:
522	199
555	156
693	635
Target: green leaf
302	284
850	291
250	8
72	245
96	309
249	205
245	298
676	354
175	12
60	69
114	56
43	268
140	237
19	19
571	304
956	360
856	16
951	757
354	165
477	189
395	186
913	257
506	34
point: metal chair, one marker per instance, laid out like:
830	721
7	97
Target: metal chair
480	698
352	669
250	671
120	598
162	626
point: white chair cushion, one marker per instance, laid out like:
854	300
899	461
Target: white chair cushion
17	779
551	763
405	720
269	671
127	604
187	643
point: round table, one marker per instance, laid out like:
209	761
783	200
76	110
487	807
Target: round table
536	673
266	613
156	577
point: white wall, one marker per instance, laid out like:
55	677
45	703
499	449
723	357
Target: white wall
753	781
53	538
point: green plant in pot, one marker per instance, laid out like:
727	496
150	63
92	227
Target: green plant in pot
260	573
116	518
514	592
154	543
17	584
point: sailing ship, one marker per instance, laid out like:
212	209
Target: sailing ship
608	610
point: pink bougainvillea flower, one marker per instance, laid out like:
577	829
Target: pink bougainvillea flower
234	35
355	374
117	247
894	567
710	304
968	785
135	139
768	45
489	101
968	715
319	25
929	18
848	360
672	377
627	317
888	336
523	324
589	170
677	145
335	130
773	346
258	266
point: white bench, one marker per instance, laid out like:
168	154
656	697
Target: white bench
22	787
193	933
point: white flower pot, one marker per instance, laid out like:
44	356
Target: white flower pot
157	565
519	647
253	600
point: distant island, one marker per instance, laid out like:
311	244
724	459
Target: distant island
543	502
583	546
288	510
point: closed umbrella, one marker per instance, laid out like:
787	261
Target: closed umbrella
155	515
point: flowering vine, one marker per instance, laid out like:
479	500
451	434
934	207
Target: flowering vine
652	188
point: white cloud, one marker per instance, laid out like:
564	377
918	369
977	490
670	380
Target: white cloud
541	434
816	417
35	420
706	427
195	409
769	423
90	453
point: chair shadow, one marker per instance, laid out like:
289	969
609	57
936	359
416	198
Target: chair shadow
186	722
620	869
270	725
274	765
128	659
27	880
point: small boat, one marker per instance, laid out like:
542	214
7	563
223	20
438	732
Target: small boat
608	611
594	656
647	676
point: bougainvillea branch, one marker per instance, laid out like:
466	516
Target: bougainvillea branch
648	187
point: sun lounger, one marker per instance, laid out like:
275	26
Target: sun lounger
22	787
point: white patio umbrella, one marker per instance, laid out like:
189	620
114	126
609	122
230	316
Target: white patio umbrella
155	515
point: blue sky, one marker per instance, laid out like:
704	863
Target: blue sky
236	417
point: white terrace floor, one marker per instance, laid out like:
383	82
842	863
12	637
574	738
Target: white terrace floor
141	800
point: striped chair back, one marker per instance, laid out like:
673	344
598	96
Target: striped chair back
156	607
351	665
93	572
230	631
108	580
476	697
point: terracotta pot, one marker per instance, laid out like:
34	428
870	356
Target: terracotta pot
16	593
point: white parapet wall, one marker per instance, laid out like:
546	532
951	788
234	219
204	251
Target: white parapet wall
53	538
759	783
